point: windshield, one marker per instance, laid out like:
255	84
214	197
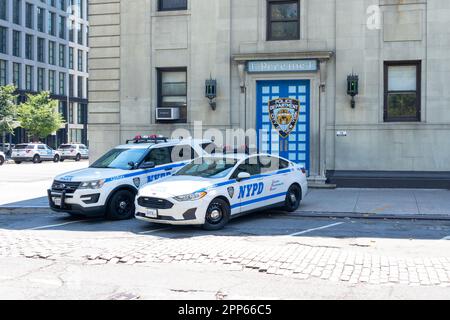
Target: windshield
214	168
24	146
119	159
67	146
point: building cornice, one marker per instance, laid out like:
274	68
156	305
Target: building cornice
319	55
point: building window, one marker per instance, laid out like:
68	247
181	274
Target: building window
80	113
168	5
29	15
16	43
62	27
29	47
51	52
80	34
62	55
3	40
71	58
41	79
62	83
80	61
51	81
71	113
62	5
3	10
41	50
16	75
29	78
3	72
283	20
51	23
40	19
80	87
402	91
71	85
172	90
71	31
17	12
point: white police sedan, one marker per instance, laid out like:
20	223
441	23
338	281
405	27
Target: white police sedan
211	190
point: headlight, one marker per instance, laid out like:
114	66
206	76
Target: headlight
191	197
92	184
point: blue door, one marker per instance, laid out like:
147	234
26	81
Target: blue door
283	119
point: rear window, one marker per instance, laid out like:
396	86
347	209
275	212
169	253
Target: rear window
67	146
24	146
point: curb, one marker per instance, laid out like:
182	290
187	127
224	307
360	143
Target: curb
373	216
24	210
299	214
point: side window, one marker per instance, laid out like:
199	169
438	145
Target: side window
284	164
182	153
41	148
159	156
250	167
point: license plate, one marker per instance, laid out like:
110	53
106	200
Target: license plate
151	213
57	201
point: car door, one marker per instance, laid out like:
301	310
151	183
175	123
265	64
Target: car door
276	179
250	192
161	157
42	152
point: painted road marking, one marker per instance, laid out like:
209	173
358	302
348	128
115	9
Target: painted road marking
56	225
156	230
316	229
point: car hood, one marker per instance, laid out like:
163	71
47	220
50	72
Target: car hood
176	186
90	174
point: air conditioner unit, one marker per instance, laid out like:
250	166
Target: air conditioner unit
169	113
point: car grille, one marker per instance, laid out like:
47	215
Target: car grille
68	187
154	203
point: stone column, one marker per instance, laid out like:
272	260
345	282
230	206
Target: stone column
322	121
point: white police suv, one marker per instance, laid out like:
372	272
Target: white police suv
2	158
73	151
211	190
34	152
109	186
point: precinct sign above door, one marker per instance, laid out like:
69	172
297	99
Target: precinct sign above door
282	66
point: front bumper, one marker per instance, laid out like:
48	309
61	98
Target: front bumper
181	213
68	206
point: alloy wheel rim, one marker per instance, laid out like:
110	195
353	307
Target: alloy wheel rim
214	215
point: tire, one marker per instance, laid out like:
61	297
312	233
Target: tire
2	161
217	215
17	162
62	160
121	206
293	198
78	158
36	159
56	159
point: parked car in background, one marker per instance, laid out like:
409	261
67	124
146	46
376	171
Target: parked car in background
6	148
2	158
34	152
73	151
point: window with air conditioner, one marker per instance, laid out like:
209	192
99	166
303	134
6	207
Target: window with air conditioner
172	95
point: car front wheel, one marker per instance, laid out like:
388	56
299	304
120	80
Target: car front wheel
217	215
293	198
78	158
121	206
56	159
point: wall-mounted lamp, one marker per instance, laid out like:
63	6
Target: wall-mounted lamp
353	87
211	92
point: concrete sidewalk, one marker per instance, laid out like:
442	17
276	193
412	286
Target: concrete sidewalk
364	203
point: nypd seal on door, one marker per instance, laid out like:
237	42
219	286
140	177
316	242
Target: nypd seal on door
284	114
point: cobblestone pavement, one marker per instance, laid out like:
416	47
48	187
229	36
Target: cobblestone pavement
285	256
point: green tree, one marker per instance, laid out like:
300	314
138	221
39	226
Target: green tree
39	115
8	109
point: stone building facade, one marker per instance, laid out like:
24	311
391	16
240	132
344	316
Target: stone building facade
155	54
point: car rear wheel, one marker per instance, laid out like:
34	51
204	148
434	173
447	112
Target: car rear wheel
2	161
78	158
217	215
56	159
293	198
121	206
37	159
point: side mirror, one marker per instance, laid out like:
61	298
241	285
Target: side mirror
147	165
243	176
